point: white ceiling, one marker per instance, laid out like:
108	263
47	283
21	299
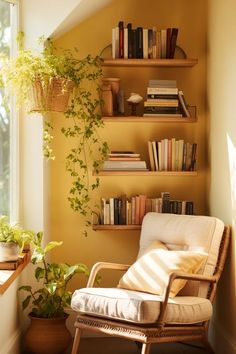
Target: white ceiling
80	12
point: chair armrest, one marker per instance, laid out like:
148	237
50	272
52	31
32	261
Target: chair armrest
104	265
172	277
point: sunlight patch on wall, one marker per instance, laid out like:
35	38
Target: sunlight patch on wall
232	167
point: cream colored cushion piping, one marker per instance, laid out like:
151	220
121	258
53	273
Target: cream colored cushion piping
150	273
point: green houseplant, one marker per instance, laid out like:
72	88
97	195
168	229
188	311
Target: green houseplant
47	332
32	75
13	239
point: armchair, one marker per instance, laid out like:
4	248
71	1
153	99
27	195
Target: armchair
148	316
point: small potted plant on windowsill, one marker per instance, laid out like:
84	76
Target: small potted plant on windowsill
47	332
13	239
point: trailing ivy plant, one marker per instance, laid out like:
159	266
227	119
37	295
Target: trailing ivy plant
88	153
83	113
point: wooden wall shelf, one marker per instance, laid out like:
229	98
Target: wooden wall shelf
149	173
116	227
141	119
150	62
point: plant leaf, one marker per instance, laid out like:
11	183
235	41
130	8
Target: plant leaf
52	245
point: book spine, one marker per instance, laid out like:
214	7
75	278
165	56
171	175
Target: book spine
142	207
183	104
112	219
168	41
145	43
163	43
121	39
126	43
173	41
151	156
134	43
116	211
129	27
150	43
161	96
162	90
154	42
139	42
155	155
123	210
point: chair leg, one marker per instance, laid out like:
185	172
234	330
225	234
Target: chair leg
76	341
146	348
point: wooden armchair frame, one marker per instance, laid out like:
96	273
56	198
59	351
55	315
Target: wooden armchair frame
158	332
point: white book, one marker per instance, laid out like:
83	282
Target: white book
125	43
162	90
124	164
107	214
115	42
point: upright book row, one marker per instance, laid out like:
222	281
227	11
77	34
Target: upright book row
143	43
130	211
172	155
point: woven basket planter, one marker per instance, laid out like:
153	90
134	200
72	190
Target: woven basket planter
52	96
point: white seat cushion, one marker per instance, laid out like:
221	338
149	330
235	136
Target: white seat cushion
139	307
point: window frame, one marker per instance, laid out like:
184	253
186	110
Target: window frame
14	154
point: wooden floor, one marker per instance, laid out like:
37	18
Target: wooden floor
120	346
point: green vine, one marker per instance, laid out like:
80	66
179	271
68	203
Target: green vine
83	113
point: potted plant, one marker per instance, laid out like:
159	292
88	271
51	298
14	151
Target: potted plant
13	239
48	75
47	332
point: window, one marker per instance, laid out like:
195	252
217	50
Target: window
8	128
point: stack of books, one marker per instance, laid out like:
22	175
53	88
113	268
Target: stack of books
172	155
165	99
123	210
124	161
162	99
143	43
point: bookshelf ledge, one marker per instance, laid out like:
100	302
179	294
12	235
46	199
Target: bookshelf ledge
116	227
141	119
149	173
151	62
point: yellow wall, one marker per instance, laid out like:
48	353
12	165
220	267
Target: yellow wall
90	37
221	102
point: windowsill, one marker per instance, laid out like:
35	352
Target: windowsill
8	276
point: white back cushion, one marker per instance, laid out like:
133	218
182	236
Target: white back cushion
186	232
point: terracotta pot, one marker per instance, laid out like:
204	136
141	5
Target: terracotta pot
115	86
47	336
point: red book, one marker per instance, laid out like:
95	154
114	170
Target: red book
121	39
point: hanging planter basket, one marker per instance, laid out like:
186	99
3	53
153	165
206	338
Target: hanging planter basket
52	96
